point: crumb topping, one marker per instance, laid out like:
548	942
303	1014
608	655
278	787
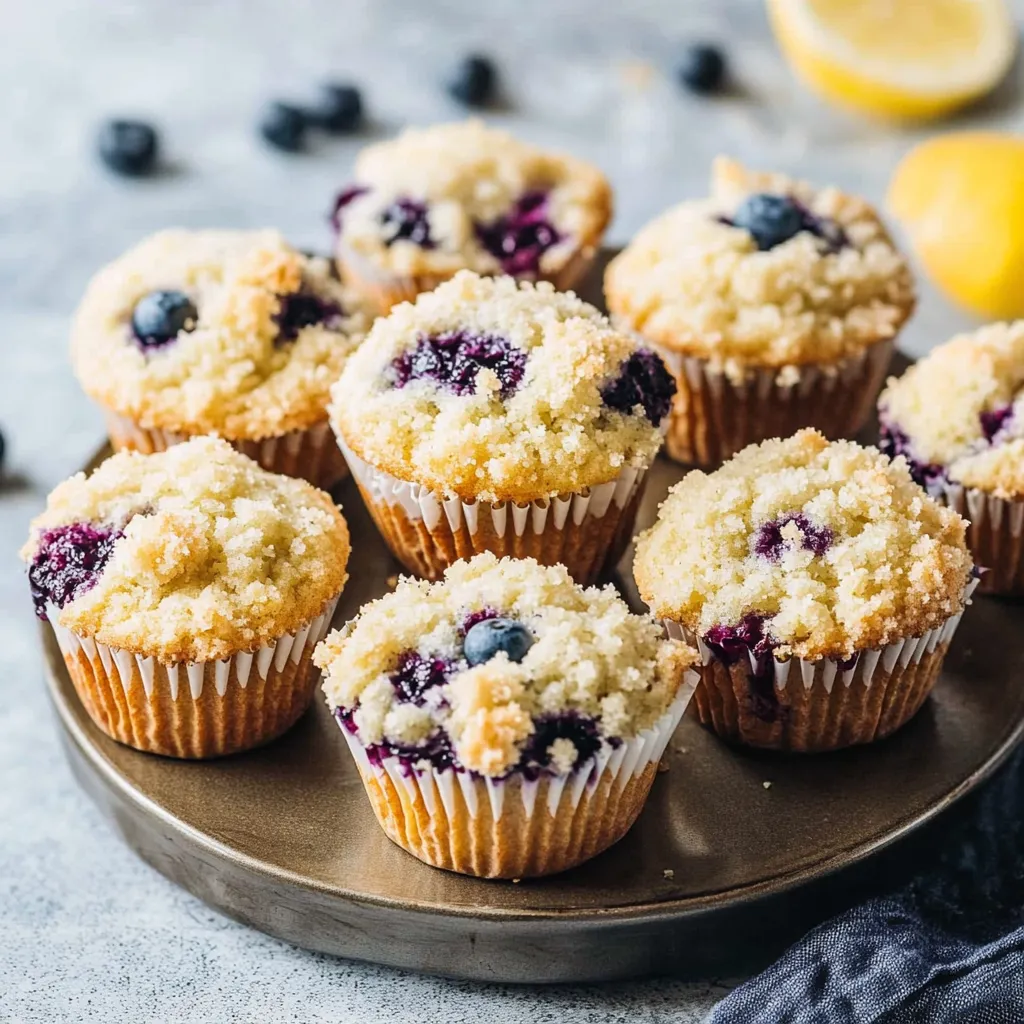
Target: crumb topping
553	432
816	548
464	196
961	409
694	283
212	554
595	673
272	332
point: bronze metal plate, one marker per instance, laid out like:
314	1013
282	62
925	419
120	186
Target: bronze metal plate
717	867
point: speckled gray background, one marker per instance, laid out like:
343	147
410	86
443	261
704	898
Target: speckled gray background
87	932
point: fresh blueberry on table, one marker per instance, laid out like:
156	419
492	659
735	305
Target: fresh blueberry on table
284	126
492	636
3	451
338	110
473	81
159	316
128	147
770	219
702	69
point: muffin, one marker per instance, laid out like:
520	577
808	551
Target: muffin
187	590
500	416
466	197
505	722
774	304
957	417
821	585
232	333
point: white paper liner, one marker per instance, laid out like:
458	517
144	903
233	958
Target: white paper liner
418	502
982	508
629	759
827	670
191	674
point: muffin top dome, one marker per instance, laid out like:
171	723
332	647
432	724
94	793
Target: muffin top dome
464	196
191	554
227	332
485	388
767	272
958	414
813	548
502	666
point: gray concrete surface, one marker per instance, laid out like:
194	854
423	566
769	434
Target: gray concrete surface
87	932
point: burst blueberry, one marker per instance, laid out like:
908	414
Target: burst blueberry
406	220
892	441
302	309
68	562
344	197
642	381
994	421
454	359
160	316
519	238
487	639
128	147
580	730
770	541
415	675
730	644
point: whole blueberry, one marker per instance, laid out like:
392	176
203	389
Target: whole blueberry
340	109
128	147
284	126
492	636
473	81
702	68
770	219
159	316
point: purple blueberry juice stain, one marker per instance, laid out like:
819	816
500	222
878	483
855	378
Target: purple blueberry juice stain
415	675
519	238
581	730
344	197
770	543
302	309
453	360
643	380
892	441
729	644
406	220
480	615
68	562
436	749
995	421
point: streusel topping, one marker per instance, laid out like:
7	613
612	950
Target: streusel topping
489	389
464	196
958	414
271	333
696	282
830	546
594	674
206	554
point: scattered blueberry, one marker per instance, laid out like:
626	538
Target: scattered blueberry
416	674
284	126
473	81
644	381
770	219
344	197
303	309
995	420
520	237
769	542
580	730
406	220
159	316
68	562
454	359
492	636
128	147
339	110
892	441
702	69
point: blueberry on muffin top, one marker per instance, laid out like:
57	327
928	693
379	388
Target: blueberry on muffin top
804	547
188	555
502	666
958	414
228	332
766	272
485	388
464	196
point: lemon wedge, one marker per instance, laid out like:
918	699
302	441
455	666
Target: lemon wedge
897	58
960	198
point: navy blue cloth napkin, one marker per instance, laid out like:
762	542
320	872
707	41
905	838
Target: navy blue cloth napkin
947	948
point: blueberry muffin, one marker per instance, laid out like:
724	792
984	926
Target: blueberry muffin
505	722
232	333
774	303
957	417
500	416
187	590
466	197
821	584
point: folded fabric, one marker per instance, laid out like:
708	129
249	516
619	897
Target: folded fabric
947	948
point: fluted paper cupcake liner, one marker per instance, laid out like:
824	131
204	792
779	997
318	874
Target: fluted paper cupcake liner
583	531
713	417
515	827
995	536
813	706
308	454
195	709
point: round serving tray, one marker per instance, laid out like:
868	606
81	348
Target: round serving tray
721	866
